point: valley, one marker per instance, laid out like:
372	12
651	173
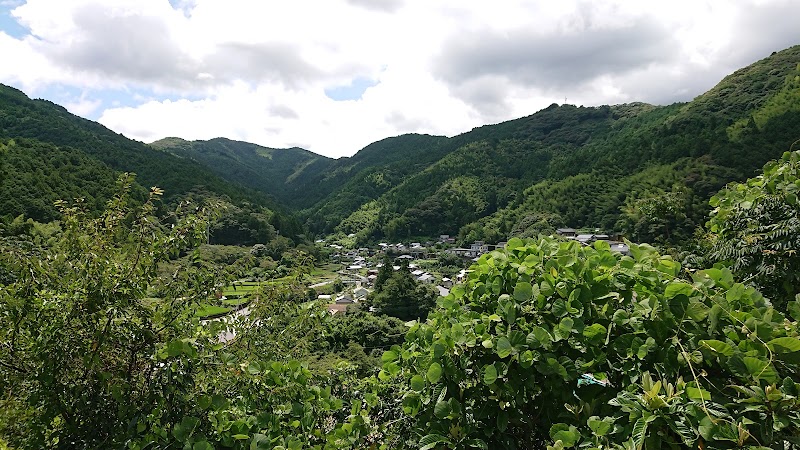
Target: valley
619	276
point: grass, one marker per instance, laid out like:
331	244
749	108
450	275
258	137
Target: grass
236	301
211	310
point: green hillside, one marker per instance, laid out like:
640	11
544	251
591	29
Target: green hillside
42	120
641	169
600	167
33	175
278	172
49	154
605	167
327	190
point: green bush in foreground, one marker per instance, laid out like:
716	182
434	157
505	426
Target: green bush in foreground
755	227
551	344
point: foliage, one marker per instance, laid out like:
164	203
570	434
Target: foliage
402	296
632	204
755	227
557	344
90	360
33	175
81	336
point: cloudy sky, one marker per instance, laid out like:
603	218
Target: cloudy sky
332	76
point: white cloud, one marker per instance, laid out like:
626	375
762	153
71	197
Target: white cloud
257	71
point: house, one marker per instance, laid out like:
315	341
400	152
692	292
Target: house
338	308
499	246
446	239
585	238
463	252
620	247
461	276
426	278
443	291
405	257
360	292
344	298
478	248
418	252
326	297
446	282
566	232
418	273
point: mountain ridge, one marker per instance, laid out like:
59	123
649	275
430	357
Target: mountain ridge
494	180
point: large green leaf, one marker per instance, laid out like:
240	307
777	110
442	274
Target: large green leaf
595	333
417	383
202	445
785	345
639	432
489	374
434	372
523	291
600	427
442	409
567	434
389	356
756	368
503	347
430	441
719	347
678	288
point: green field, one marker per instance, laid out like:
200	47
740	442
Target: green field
211	310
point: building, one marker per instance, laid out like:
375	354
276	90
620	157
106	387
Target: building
360	292
566	232
426	278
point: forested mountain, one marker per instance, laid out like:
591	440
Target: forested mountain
638	168
46	122
34	175
278	172
48	154
642	169
327	189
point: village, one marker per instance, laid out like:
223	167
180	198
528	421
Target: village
438	264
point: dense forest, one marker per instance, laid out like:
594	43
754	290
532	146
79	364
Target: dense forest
116	256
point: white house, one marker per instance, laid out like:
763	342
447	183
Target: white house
426	278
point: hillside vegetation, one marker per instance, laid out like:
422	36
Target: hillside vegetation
598	167
49	154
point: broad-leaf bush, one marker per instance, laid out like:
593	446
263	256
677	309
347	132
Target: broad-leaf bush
553	344
755	228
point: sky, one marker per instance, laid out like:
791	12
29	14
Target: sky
332	76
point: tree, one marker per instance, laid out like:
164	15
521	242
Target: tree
657	216
384	273
81	338
755	229
403	297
